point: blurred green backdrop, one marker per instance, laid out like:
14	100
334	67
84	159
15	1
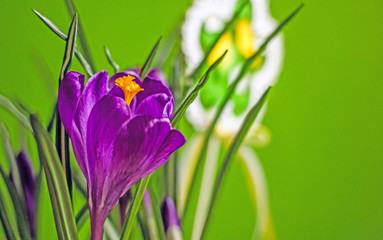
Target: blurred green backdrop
324	165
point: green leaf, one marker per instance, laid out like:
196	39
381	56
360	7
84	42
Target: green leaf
193	94
82	216
130	219
11	108
110	60
9	231
157	213
69	47
12	160
226	27
233	149
225	100
19	206
55	177
52	119
145	68
72	11
59	33
62	139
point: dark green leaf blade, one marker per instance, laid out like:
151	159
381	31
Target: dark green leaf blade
59	33
145	68
194	93
5	102
246	124
69	47
62	139
12	160
55	177
84	45
9	231
19	206
157	213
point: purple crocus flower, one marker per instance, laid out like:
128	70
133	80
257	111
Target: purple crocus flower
28	183
171	220
120	132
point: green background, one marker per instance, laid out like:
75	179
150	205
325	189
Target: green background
324	164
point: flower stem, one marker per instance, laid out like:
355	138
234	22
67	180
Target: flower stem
96	226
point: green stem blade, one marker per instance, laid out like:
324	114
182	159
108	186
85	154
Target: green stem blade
194	93
8	230
55	177
133	210
19	206
145	68
12	160
84	45
233	149
62	139
5	102
110	60
88	69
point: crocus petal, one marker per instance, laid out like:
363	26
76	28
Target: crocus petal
69	95
152	85
156	73
105	120
158	106
135	147
94	90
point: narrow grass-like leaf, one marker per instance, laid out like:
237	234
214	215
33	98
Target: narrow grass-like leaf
55	176
58	32
157	213
143	222
193	94
12	160
130	219
7	227
225	100
84	45
5	102
145	68
80	184
110	60
226	27
52	120
19	206
69	47
81	216
233	149
62	139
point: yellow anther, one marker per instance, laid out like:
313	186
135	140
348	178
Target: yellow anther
130	87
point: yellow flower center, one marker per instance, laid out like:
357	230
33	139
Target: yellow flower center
130	87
